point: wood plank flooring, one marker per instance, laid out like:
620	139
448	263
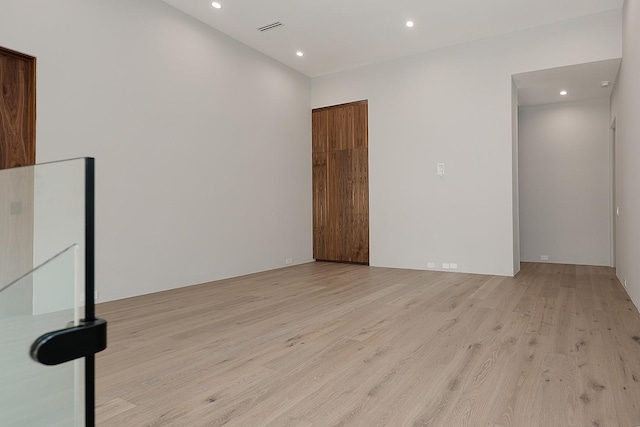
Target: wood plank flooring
326	344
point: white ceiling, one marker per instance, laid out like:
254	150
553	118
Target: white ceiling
336	35
580	81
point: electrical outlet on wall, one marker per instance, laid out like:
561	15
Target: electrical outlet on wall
288	261
624	282
445	265
431	265
544	258
453	266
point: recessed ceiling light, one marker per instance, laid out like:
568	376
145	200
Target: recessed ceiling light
216	5
605	83
563	92
299	53
409	24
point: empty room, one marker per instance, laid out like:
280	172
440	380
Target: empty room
337	213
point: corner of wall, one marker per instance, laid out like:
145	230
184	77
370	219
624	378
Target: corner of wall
515	181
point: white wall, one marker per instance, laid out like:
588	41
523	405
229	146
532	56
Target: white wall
454	106
626	111
564	182
202	145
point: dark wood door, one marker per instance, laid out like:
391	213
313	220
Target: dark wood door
17	148
341	183
17	109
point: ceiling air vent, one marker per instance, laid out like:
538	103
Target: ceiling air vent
270	26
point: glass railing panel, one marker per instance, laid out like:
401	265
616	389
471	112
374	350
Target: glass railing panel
16	229
32	394
42	211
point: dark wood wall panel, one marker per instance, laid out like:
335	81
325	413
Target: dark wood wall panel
341	183
335	217
319	205
17	109
337	130
320	130
361	129
341	128
359	229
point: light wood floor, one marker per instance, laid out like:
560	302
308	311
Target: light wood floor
334	345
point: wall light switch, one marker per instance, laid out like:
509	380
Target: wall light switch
440	169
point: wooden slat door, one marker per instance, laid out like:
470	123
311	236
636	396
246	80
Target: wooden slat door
341	183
